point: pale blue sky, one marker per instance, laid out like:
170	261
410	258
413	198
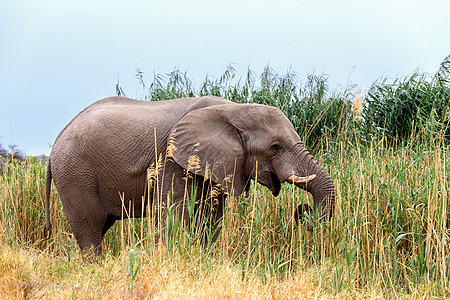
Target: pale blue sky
56	57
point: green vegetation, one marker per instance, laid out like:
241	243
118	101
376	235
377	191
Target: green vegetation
387	152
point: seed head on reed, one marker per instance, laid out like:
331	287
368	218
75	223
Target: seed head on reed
152	173
208	171
357	106
193	163
171	147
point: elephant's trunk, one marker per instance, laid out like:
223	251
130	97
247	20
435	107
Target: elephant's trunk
321	186
322	191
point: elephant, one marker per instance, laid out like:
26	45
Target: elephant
101	161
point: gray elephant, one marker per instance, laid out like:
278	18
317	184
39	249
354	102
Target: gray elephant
207	144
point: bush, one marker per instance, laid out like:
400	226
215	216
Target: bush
419	102
13	154
392	110
316	113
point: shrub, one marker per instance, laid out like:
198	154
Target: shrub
316	113
419	102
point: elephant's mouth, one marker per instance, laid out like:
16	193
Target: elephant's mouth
275	186
275	183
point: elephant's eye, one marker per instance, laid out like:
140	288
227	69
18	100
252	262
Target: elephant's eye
276	147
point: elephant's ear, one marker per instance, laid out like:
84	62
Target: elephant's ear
207	144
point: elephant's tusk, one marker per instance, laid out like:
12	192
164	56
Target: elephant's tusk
300	180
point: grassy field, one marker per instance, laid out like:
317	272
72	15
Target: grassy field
388	237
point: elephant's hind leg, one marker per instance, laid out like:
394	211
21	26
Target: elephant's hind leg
87	222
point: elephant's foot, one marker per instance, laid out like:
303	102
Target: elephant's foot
92	254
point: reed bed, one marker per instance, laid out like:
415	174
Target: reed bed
388	237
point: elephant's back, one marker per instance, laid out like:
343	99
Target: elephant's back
125	110
118	131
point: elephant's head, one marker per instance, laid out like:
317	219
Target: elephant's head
230	144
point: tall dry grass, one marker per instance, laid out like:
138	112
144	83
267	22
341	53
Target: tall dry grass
388	237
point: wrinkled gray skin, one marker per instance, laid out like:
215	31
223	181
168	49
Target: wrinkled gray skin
107	148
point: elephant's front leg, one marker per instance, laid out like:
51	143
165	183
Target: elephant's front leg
184	202
170	205
212	214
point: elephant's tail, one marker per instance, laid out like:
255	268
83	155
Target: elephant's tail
48	185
